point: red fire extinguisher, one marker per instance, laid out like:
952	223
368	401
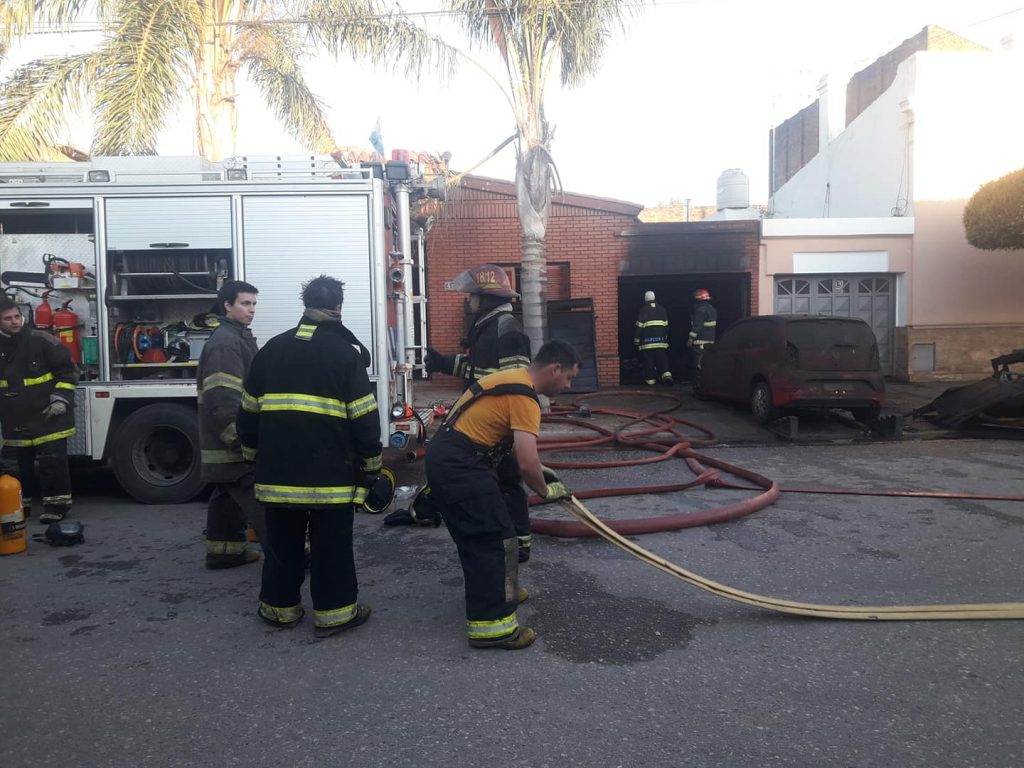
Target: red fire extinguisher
69	331
44	314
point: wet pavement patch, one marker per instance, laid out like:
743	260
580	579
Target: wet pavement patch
602	628
65	617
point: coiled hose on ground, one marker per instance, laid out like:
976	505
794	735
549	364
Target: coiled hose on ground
632	434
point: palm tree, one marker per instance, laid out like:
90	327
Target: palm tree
155	54
532	37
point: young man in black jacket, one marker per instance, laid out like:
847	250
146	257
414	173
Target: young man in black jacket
223	366
309	420
37	399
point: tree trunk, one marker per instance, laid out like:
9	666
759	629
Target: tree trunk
533	198
216	115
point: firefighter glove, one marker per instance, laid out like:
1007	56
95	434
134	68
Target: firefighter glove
556	492
432	360
57	407
549	475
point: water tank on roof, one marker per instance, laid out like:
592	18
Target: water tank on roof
733	189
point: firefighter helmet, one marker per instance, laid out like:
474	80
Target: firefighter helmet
649	296
487	279
380	493
701	294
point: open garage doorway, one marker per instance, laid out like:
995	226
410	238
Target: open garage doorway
730	294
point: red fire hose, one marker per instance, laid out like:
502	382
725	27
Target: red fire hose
634	435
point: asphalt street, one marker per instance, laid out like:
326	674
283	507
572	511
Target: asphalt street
125	651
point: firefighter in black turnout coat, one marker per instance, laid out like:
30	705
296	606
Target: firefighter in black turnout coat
651	338
37	398
309	421
498	418
223	365
703	326
496	342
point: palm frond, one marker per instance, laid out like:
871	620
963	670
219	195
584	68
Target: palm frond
145	63
363	30
36	102
271	58
16	20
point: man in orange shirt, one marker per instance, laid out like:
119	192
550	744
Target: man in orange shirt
497	416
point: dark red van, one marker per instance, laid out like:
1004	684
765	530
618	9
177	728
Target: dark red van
775	362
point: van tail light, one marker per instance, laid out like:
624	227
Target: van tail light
792	355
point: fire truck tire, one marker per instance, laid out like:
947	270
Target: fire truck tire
155	454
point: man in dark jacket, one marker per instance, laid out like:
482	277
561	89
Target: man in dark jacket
651	338
37	398
223	366
309	420
496	342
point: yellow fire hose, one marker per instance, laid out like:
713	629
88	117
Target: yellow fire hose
873	612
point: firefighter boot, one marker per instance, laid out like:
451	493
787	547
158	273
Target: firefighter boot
522	595
361	616
218	562
521	638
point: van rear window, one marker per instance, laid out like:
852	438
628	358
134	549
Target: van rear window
833	344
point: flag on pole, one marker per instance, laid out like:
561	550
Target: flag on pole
376	139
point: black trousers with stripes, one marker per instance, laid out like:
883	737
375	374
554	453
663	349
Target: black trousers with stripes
332	575
54	480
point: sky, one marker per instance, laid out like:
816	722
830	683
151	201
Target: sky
691	88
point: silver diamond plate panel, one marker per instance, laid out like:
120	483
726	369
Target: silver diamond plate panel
78	443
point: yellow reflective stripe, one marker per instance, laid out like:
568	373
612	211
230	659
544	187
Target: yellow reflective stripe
652	323
362	406
64	385
3	383
513	361
229	434
64	498
224	547
38	380
480	372
39	440
249	454
711	324
297	494
693	334
250	403
288	615
373	464
287	401
702	343
335	617
222	380
220	457
305	332
486	630
655	345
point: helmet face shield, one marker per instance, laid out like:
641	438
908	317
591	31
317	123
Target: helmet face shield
381	493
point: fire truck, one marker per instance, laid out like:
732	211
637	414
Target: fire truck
121	258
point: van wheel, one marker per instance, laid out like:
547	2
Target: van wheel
761	403
155	454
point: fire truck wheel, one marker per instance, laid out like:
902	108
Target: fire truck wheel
155	454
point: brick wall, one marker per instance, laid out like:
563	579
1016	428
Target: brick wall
478	224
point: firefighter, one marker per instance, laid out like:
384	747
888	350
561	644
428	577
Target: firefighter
309	421
498	417
223	365
703	322
651	338
37	398
496	342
